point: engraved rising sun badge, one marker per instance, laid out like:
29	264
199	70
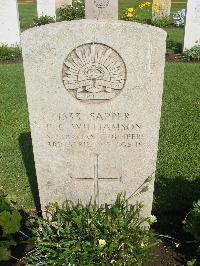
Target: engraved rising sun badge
94	72
101	3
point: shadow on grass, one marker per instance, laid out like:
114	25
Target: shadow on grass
175	194
25	143
176	47
173	199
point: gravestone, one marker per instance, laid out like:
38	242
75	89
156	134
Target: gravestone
94	104
46	8
101	9
9	22
161	8
192	27
63	3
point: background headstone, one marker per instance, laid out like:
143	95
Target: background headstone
94	104
101	9
63	3
46	8
192	27
161	8
9	22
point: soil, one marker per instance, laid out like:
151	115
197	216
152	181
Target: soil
8	62
179	58
172	58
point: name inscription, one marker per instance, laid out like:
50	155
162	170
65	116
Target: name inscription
70	130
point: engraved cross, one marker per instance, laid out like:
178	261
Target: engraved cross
96	179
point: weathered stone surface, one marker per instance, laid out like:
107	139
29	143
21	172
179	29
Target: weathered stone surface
94	104
63	3
161	8
192	27
101	9
9	22
46	8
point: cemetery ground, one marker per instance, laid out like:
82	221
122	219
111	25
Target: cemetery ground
177	176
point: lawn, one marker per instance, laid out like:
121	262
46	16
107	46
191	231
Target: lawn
27	11
177	168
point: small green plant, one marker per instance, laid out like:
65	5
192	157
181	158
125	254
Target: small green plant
75	234
39	21
9	52
76	11
191	224
10	220
161	22
193	53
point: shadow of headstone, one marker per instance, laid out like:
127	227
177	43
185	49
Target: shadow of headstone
175	194
25	143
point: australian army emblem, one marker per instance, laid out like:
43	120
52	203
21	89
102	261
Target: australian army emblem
94	72
101	3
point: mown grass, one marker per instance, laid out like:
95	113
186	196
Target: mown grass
175	39
14	121
27	11
178	167
177	176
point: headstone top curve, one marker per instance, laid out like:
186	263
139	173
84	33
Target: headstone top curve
93	23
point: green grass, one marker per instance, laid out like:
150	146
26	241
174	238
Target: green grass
175	40
14	122
27	11
178	181
178	167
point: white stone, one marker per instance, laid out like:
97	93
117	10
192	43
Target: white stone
63	3
101	9
94	104
9	22
46	8
161	8
192	27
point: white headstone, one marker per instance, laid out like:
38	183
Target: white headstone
192	27
101	9
46	8
63	3
94	104
161	8
9	22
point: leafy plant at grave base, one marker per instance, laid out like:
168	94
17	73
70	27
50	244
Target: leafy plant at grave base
141	13
10	220
75	234
193	53
191	224
76	11
39	21
9	52
179	18
161	22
